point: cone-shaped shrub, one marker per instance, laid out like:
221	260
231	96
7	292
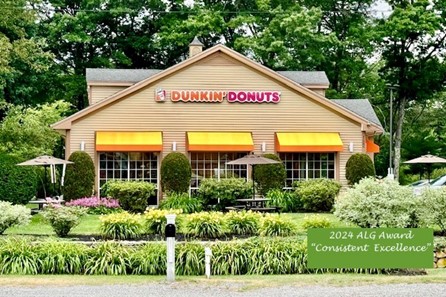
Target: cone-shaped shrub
175	173
359	166
79	178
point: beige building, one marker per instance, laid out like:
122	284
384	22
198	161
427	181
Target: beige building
214	107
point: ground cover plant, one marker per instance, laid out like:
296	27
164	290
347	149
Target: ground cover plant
96	205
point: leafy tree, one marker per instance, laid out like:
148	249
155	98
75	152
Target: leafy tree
26	131
413	50
24	61
79	179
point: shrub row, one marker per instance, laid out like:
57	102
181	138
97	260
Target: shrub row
253	256
197	225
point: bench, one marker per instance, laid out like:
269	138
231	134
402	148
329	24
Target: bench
264	209
236	207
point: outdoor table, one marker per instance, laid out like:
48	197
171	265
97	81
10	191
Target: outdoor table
42	201
254	203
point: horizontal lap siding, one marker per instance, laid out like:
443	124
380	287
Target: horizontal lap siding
140	112
101	92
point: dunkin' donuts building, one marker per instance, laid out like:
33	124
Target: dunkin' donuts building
214	107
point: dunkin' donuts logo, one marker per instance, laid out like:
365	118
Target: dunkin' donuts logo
219	96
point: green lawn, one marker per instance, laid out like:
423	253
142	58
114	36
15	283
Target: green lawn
90	224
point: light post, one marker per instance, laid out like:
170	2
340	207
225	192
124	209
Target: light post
390	172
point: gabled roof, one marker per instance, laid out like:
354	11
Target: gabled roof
66	123
361	107
131	76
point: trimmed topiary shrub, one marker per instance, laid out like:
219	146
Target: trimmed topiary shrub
18	184
270	176
317	194
359	166
79	177
175	173
379	204
133	196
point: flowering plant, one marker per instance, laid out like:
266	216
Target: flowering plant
96	205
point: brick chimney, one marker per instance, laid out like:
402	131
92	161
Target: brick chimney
195	47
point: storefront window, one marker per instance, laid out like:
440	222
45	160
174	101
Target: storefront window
302	166
141	166
213	165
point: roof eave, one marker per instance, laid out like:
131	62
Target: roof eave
66	123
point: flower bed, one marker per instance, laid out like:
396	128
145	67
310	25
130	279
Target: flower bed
96	205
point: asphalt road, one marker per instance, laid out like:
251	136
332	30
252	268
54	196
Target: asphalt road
229	289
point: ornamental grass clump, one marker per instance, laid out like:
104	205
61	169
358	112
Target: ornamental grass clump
154	220
206	225
96	205
315	221
16	257
182	201
56	257
63	218
243	222
121	226
109	258
275	225
13	215
149	259
285	200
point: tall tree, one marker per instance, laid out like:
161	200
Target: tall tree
100	33
23	61
413	49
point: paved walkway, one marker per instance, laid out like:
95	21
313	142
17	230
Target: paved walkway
229	289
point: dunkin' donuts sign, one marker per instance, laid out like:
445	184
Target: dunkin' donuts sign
218	96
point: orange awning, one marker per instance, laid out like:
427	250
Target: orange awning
108	141
220	141
308	142
371	147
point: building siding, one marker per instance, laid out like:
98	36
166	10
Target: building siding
98	93
140	112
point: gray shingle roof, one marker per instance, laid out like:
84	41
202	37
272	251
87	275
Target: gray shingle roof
307	77
119	75
361	107
136	75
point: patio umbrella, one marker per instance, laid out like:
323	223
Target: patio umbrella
50	161
428	160
253	160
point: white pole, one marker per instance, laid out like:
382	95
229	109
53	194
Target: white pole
64	167
207	261
170	241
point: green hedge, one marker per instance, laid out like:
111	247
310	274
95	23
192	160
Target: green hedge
18	184
252	256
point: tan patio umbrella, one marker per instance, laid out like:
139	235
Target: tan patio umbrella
428	160
51	162
252	160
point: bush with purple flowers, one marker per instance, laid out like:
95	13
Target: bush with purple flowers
97	205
